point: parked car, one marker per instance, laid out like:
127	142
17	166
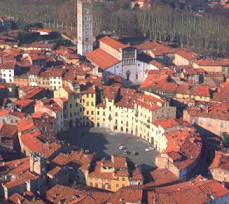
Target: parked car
147	150
126	152
122	147
151	148
134	153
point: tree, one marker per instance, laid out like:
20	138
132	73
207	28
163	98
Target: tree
32	25
225	139
1	28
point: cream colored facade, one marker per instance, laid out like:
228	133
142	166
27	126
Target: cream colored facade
195	97
80	109
210	69
137	121
83	111
55	82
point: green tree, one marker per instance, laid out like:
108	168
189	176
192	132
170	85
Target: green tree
225	139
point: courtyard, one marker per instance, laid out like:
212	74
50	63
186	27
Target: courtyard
106	143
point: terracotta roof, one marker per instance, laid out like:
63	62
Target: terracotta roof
54	171
197	191
7	65
157	64
31	91
31	141
25	124
35	70
149	102
113	43
200	90
15	167
7	131
161	177
80	158
167	123
21	180
4	112
22	103
212	110
220	161
212	62
131	194
222	94
187	55
64	194
102	59
95	197
149	45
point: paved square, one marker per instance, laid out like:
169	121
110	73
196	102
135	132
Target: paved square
106	143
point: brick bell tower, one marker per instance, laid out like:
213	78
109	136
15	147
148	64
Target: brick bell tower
84	26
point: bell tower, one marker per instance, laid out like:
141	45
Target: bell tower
38	164
84	26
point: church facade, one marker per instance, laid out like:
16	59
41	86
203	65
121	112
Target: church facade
116	58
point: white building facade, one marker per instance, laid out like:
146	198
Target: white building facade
115	58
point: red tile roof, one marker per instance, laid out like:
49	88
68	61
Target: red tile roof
7	131
131	194
149	45
102	59
197	191
113	43
21	180
211	62
32	142
25	124
7	65
187	55
22	103
212	110
64	194
80	158
220	161
161	177
167	123
222	94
